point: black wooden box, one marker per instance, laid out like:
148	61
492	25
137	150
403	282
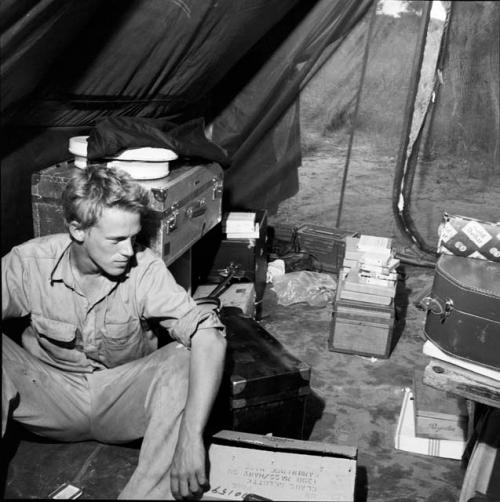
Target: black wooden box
265	388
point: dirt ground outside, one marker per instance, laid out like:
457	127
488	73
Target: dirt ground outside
368	195
463	189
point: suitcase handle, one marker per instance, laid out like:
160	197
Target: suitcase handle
196	209
436	307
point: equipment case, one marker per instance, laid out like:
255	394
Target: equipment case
185	205
463	309
265	388
326	245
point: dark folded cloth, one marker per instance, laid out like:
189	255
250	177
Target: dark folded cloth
113	134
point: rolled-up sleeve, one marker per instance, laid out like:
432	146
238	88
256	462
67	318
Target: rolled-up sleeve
163	299
196	320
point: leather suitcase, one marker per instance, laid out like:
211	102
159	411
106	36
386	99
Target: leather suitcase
463	309
264	388
185	205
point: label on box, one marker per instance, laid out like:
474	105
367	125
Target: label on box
431	427
406	439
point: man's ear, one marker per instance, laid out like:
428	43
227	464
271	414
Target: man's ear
76	231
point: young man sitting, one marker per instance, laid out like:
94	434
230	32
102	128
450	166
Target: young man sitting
89	366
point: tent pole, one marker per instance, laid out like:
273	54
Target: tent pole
356	109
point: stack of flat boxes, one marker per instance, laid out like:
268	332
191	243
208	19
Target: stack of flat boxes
363	310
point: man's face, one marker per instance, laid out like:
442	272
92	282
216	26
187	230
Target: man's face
109	244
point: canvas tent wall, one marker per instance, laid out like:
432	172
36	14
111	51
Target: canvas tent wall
240	65
65	64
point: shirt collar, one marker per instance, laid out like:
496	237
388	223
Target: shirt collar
62	269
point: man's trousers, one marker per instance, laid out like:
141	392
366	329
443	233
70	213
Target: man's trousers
140	399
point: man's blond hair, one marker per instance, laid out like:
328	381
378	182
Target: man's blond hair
96	187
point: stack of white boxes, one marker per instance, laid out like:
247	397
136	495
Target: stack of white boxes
240	225
369	270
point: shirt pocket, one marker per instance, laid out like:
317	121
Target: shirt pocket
123	342
60	333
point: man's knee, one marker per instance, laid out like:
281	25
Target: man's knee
171	378
173	362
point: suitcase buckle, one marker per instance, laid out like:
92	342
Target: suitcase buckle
434	306
448	307
217	189
171	220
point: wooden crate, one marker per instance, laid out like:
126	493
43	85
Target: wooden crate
360	337
360	327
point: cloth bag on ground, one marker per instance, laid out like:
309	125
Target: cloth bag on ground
315	288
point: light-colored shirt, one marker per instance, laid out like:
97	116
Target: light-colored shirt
71	333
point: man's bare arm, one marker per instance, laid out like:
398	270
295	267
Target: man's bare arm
188	476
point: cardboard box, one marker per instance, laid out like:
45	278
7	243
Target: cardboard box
241	295
405	438
438	414
279	469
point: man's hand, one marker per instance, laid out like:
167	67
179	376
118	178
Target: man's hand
188	476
